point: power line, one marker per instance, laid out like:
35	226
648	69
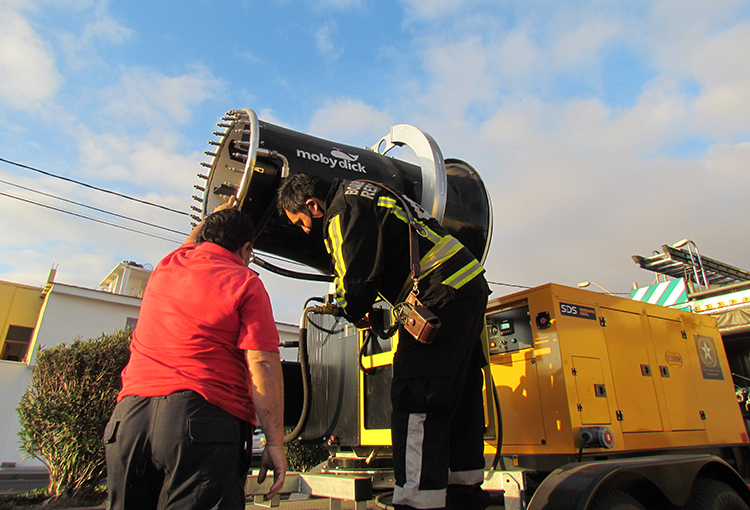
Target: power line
265	254
509	285
87	217
103	190
92	207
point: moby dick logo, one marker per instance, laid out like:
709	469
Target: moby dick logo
339	158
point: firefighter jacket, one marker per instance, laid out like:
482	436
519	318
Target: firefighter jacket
367	236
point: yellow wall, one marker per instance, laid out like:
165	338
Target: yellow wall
19	306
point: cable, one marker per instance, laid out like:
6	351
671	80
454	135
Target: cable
509	285
92	207
88	217
94	187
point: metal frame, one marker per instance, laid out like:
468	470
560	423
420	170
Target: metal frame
434	180
675	262
252	153
336	487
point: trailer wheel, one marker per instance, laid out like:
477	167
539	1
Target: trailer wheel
710	494
615	500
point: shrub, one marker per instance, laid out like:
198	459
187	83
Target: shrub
65	410
303	456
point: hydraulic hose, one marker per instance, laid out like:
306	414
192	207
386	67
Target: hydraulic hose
499	414
305	367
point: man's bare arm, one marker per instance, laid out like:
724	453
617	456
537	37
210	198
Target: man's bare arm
268	397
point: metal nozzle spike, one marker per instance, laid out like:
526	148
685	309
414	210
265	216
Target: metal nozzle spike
238	170
242	142
197	199
213	142
199	188
239	155
196	218
207	165
195	208
223	124
219	133
193	224
209	153
201	176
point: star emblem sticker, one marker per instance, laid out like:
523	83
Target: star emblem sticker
707	353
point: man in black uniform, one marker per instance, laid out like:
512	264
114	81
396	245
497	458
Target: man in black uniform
438	419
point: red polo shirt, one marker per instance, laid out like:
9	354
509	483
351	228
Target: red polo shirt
201	311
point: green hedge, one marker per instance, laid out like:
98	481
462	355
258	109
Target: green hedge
303	456
71	397
64	412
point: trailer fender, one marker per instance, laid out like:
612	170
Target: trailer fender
573	486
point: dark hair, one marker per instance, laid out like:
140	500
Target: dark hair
296	190
229	228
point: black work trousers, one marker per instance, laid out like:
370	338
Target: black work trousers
176	452
438	421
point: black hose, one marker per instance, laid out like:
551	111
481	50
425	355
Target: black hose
368	371
292	274
305	367
496	397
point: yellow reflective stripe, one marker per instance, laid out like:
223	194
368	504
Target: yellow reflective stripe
464	275
336	241
442	251
340	299
390	203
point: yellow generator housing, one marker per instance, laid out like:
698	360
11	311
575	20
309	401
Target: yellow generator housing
565	358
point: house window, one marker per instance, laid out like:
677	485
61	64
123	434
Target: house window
131	322
16	343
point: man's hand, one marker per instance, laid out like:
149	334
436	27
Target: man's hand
229	204
363	323
273	458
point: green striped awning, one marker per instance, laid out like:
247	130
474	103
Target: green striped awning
666	293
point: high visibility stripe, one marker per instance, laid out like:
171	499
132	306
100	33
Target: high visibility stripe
337	239
442	251
464	275
410	494
390	203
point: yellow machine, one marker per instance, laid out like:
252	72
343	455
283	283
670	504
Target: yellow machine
564	358
592	401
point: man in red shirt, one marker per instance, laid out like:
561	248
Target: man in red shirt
204	360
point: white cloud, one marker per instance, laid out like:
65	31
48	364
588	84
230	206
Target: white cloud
151	164
28	74
722	67
347	119
105	28
325	42
147	96
431	9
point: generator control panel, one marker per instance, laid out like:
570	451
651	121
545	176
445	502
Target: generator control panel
510	330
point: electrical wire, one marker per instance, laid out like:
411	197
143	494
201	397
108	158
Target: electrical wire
103	190
88	217
121	195
509	285
92	207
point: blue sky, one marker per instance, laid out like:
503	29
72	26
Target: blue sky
603	129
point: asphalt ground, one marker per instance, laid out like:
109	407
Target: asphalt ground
20	480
